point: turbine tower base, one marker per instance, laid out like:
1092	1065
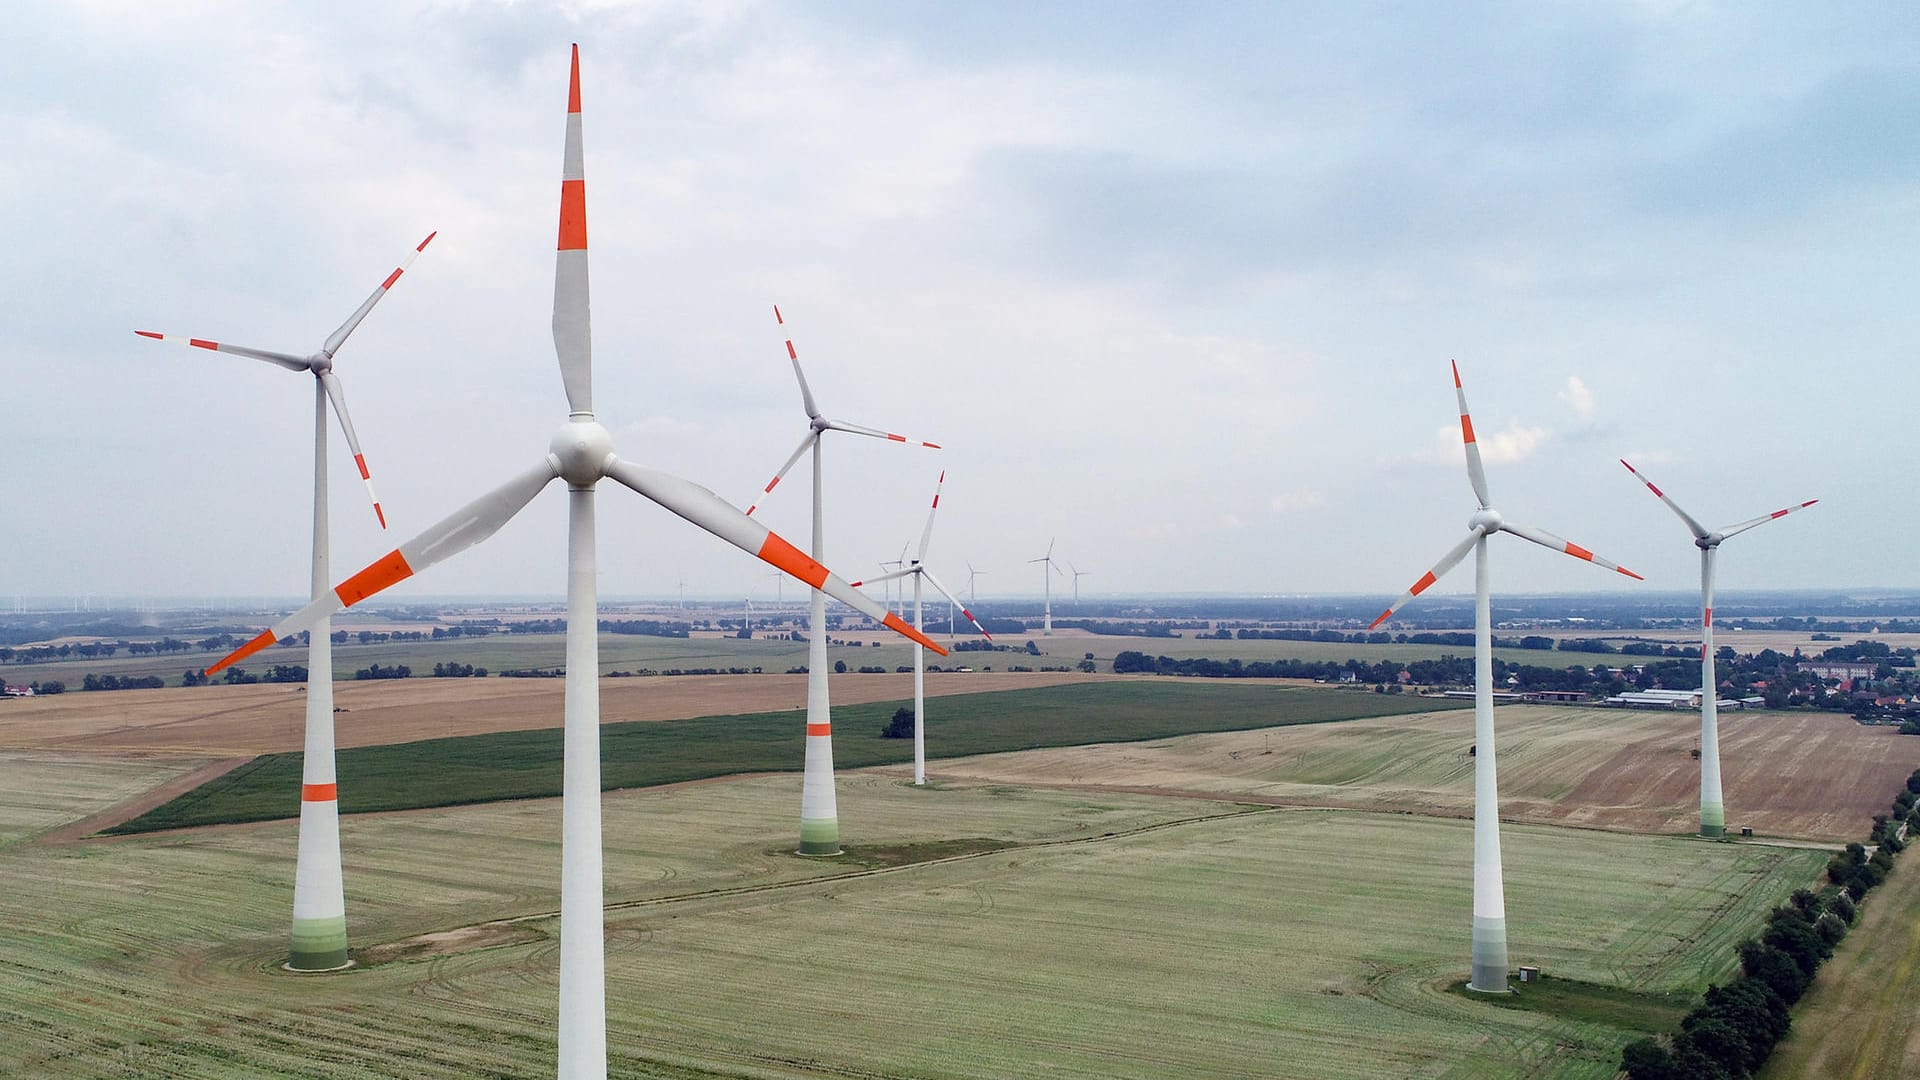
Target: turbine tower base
1489	956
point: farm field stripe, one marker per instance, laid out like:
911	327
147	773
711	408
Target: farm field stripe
526	764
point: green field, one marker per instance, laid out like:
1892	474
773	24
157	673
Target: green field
526	764
1122	936
623	652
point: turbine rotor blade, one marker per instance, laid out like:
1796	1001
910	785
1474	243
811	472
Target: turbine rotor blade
1548	540
782	474
572	335
1733	530
453	534
714	514
806	395
285	360
338	397
955	601
339	337
1476	472
1447	562
1699	531
888	576
856	429
926	533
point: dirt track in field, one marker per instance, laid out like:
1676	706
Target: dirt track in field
1816	776
228	721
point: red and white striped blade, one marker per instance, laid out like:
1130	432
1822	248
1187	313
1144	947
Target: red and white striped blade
337	395
782	474
1476	472
714	514
1566	547
572	333
926	533
948	593
453	534
339	337
1763	519
856	429
1699	531
806	394
1447	562
285	360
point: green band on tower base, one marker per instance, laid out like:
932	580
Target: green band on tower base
1713	820
820	836
319	944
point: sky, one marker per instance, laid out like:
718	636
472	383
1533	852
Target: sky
1176	287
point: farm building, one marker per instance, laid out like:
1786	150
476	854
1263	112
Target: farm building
1657	699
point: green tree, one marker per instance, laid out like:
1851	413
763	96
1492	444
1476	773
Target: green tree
901	726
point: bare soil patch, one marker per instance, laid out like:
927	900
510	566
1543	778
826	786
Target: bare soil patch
260	719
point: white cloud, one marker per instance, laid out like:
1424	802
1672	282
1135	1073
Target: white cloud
1514	444
1578	396
1231	521
1289	501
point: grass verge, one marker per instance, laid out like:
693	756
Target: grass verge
1628	1010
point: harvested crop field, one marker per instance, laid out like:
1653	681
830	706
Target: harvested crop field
1265	943
259	719
1814	776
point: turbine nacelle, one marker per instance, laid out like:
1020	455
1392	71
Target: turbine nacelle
1488	521
580	451
320	363
1709	541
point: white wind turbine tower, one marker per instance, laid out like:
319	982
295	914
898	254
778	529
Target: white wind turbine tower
1489	895
1713	812
819	813
319	937
1077	575
972	597
581	453
1046	578
917	569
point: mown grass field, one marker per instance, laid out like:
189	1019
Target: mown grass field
526	764
1124	936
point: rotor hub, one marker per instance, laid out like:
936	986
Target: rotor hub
1708	542
582	448
819	423
319	363
1487	521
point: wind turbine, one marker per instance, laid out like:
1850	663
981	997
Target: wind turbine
581	453
972	598
319	935
1489	896
1077	575
1046	626
917	569
819	815
1713	812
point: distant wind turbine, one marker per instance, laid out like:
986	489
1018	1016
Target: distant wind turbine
972	597
1489	892
1713	812
1046	578
319	938
819	813
917	569
1077	575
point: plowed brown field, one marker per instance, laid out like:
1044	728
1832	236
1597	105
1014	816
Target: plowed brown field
1818	776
